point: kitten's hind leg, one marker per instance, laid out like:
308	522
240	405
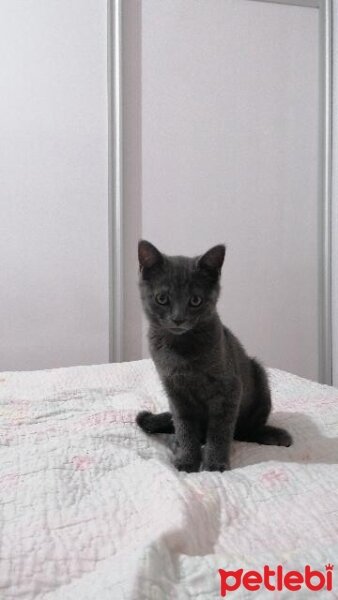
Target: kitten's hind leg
151	423
253	427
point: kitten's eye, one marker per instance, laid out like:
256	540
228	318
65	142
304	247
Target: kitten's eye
195	301
162	299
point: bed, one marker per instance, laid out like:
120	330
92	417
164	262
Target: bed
93	509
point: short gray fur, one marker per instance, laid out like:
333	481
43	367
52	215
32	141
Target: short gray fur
216	392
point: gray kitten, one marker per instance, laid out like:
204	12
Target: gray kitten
216	392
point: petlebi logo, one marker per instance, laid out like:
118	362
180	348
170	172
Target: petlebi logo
276	579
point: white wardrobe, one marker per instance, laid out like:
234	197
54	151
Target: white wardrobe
219	110
227	141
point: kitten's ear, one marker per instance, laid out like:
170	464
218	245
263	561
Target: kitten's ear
148	255
213	259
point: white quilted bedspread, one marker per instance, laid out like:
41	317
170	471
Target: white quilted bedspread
93	509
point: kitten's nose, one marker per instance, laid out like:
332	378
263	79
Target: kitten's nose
178	321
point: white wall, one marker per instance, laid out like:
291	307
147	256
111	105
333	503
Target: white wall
230	154
53	183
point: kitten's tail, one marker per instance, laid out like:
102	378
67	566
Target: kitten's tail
150	423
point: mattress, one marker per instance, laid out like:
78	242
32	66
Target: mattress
93	509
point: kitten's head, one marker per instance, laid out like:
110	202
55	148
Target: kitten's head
179	292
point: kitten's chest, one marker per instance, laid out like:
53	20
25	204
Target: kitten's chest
171	364
201	364
194	380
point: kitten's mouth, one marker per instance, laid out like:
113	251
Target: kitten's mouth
178	330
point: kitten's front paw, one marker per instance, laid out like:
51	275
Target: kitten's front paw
215	465
183	463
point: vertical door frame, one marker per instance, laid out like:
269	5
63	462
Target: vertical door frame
325	191
115	101
115	179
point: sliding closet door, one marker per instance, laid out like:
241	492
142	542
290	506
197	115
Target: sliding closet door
229	97
53	190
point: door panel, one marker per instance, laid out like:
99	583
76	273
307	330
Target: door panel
230	154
